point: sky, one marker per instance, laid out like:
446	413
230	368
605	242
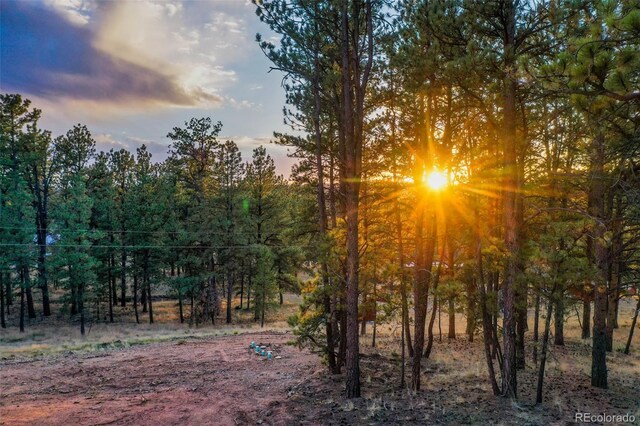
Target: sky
131	70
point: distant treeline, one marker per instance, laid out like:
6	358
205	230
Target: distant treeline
104	229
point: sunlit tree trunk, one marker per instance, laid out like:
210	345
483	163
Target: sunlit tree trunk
510	188
597	211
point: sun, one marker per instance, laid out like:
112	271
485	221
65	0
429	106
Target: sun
436	180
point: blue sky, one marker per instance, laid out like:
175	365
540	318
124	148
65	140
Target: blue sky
131	70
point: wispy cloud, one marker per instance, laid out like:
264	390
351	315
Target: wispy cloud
107	142
109	59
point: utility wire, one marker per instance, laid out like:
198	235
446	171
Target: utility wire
55	245
128	231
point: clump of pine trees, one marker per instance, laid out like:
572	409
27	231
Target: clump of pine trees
91	234
529	110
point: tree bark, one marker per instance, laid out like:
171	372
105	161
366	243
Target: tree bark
22	305
8	292
229	292
143	295
597	211
147	282
487	325
510	189
123	278
452	319
110	295
322	208
135	296
586	317
81	307
30	306
3	324
543	355
536	327
425	248
633	327
41	235
558	339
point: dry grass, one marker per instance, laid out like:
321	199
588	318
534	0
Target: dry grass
56	334
456	389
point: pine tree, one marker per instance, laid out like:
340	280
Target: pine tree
74	258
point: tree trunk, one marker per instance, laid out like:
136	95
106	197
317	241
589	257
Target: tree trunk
487	326
353	84
558	339
22	305
436	299
521	326
110	295
432	320
112	267
536	327
263	304
143	295
375	313
147	282
439	322
331	357
30	306
616	253
342	346
510	189
597	211
3	324
229	293
249	290
135	297
586	317
633	326
41	236
213	296
8	291
81	307
192	311
424	260
241	289
420	294
452	319
543	356
123	278
471	308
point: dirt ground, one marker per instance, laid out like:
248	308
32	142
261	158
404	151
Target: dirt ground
219	381
195	381
212	378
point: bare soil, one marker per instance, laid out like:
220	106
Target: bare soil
195	381
213	378
219	381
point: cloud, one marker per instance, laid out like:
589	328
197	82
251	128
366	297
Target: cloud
279	153
76	11
60	57
106	142
159	150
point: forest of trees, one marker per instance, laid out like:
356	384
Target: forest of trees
110	229
481	158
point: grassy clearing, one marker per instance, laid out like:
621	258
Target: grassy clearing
53	336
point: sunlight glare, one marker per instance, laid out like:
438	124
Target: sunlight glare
436	180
